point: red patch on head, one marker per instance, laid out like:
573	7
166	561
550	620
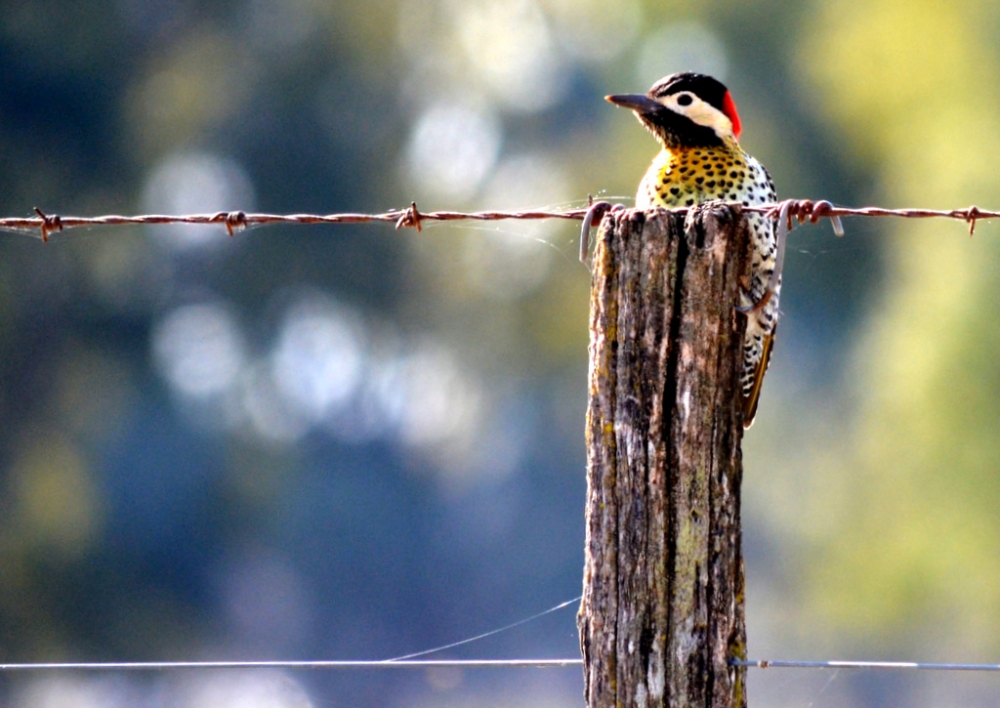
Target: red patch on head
729	108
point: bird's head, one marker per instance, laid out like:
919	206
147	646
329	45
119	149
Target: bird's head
685	110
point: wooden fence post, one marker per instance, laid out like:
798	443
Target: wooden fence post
662	610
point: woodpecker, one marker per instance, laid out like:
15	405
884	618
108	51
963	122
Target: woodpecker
694	118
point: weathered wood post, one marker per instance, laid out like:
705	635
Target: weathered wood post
662	610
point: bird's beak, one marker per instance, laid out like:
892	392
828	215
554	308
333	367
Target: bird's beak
640	103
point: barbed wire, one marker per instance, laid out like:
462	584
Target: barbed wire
235	221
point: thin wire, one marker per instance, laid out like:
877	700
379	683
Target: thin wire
177	665
487	634
829	682
467	664
882	665
400	662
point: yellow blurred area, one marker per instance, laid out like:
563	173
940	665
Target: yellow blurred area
913	87
885	70
202	82
55	503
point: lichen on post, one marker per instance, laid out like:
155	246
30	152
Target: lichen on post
663	605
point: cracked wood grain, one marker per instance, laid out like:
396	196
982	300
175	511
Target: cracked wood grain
663	607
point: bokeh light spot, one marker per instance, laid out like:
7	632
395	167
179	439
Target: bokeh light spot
317	362
509	45
199	349
239	689
74	691
439	404
590	32
452	149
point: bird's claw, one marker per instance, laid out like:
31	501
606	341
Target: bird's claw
808	210
752	307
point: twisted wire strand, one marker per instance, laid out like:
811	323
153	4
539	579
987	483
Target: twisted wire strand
235	221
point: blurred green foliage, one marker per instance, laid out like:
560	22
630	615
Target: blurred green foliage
912	557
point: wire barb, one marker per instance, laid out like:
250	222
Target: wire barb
410	218
234	221
971	214
49	224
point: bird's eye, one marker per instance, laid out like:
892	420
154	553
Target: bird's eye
685	99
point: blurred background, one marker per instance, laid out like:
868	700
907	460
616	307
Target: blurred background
355	443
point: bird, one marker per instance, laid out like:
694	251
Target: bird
694	118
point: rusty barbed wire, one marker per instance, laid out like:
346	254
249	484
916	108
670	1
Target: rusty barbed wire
235	221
